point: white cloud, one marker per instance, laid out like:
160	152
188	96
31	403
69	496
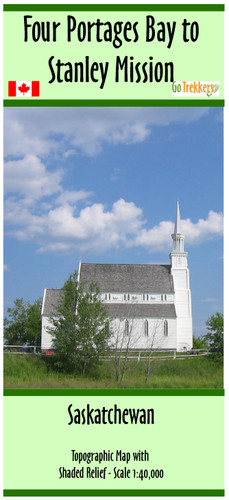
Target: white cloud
203	229
158	238
65	131
95	228
61	228
73	196
29	177
21	220
39	208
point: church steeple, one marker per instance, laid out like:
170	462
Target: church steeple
178	256
182	293
177	236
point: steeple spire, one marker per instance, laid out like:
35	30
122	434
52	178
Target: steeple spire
177	227
177	236
178	256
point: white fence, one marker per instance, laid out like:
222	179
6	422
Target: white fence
168	354
134	354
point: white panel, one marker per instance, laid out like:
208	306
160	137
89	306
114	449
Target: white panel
137	338
46	337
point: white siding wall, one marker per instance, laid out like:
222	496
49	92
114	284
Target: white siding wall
184	334
181	279
183	309
136	339
46	337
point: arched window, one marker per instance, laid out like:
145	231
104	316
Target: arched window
146	328
126	327
166	328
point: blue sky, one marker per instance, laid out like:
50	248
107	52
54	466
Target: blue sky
102	183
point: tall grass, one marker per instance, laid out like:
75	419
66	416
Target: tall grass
31	371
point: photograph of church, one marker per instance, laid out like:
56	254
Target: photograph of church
148	305
91	198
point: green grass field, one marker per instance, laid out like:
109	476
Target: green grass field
31	371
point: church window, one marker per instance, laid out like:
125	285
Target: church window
146	326
166	328
126	327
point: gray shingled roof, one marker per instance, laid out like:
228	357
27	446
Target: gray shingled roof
132	278
140	310
52	301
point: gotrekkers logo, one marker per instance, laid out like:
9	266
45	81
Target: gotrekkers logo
195	89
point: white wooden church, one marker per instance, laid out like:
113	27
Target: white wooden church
148	305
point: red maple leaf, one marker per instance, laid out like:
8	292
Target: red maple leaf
23	88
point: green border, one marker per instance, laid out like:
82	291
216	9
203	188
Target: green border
113	103
114	493
113	392
118	8
114	7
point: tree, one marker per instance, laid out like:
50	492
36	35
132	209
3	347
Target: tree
33	323
215	334
124	338
199	343
126	333
23	323
154	339
15	323
80	334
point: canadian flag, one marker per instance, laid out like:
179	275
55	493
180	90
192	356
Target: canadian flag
23	88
